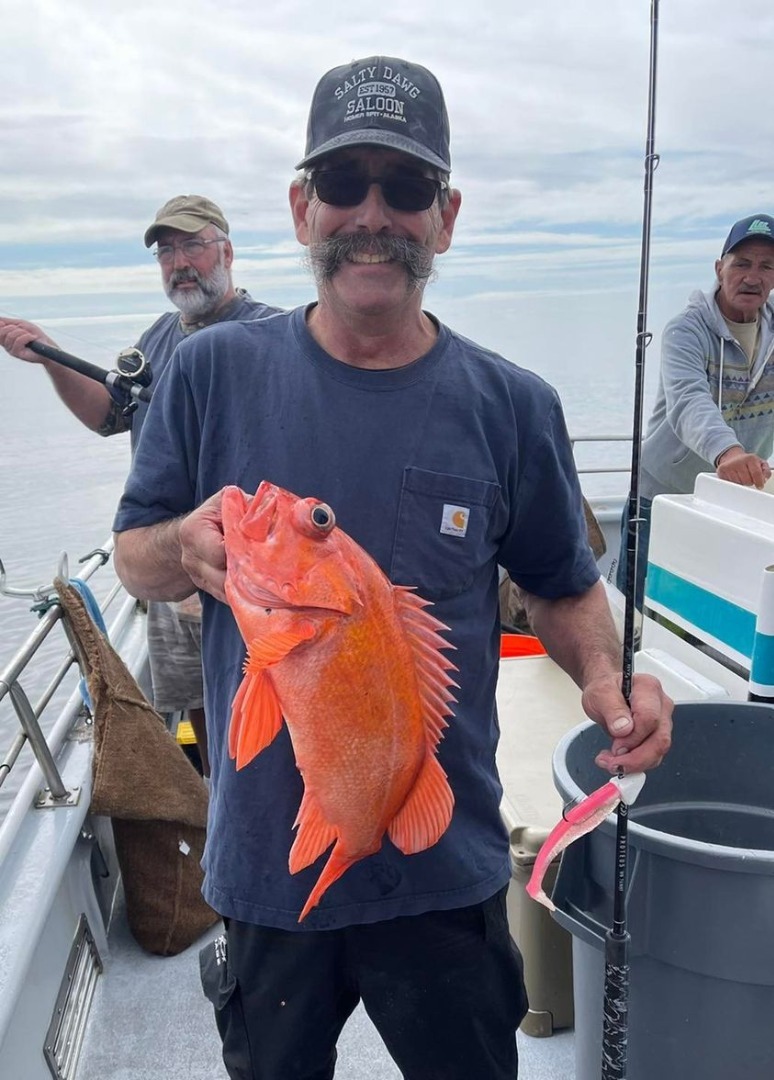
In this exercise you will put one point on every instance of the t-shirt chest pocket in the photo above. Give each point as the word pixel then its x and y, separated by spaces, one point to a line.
pixel 442 535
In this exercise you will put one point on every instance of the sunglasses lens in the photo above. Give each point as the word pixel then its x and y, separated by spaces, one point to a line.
pixel 410 193
pixel 340 187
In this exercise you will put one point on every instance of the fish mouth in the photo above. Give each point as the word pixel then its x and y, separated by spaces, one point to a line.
pixel 263 595
pixel 275 597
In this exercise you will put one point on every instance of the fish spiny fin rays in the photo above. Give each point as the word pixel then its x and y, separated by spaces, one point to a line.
pixel 315 835
pixel 336 865
pixel 426 813
pixel 432 667
pixel 256 715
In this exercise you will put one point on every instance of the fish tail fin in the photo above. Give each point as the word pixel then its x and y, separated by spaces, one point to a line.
pixel 336 865
pixel 426 812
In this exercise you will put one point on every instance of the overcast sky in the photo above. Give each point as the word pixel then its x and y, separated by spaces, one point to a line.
pixel 107 109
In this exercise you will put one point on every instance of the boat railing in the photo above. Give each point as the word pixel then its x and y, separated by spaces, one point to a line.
pixel 27 714
pixel 601 441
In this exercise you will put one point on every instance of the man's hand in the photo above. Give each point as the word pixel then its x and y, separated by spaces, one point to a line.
pixel 203 553
pixel 736 465
pixel 642 735
pixel 15 336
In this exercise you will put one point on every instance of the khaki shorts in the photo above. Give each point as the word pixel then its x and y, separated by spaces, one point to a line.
pixel 175 651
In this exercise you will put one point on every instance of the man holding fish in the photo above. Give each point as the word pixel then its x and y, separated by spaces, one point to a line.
pixel 341 483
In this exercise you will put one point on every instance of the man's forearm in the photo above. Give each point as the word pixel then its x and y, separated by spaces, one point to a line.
pixel 148 562
pixel 578 633
pixel 86 399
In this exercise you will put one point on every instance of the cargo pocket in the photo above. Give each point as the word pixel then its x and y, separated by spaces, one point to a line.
pixel 509 964
pixel 222 990
pixel 442 535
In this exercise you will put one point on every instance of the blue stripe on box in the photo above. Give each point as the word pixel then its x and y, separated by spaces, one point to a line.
pixel 723 620
pixel 762 668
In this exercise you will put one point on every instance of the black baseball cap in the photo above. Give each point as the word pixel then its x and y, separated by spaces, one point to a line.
pixel 379 101
pixel 756 227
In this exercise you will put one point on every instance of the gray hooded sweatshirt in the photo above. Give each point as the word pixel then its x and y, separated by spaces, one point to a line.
pixel 709 397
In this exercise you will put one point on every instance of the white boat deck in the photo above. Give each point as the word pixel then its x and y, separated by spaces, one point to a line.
pixel 151 1021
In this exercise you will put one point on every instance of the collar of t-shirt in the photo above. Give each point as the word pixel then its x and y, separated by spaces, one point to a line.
pixel 748 335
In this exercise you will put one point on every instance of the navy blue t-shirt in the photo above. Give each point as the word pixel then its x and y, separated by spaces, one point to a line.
pixel 391 451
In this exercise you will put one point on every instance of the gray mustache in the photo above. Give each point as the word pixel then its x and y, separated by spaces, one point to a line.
pixel 179 276
pixel 329 254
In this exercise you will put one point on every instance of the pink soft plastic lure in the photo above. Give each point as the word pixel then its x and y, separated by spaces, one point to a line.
pixel 584 817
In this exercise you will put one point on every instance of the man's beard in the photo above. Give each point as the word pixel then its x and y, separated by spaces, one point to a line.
pixel 203 300
pixel 325 257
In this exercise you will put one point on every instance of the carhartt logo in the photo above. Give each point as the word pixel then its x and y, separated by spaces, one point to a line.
pixel 454 521
pixel 759 226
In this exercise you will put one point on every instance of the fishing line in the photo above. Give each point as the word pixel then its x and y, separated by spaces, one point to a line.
pixel 63 333
pixel 127 382
pixel 615 1028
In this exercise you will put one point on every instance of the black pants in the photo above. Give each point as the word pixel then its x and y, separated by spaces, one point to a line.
pixel 444 990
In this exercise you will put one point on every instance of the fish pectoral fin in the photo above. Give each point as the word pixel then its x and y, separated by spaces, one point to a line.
pixel 426 813
pixel 274 645
pixel 256 718
pixel 315 835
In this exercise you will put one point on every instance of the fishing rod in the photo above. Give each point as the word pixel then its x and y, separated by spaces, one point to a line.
pixel 128 382
pixel 615 1027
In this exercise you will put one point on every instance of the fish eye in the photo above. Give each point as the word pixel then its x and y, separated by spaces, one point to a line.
pixel 322 517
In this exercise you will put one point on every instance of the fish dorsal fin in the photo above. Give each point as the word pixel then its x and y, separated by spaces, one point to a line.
pixel 427 811
pixel 256 717
pixel 432 667
pixel 315 835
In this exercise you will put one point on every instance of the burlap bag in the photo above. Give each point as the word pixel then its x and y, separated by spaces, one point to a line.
pixel 155 797
pixel 512 613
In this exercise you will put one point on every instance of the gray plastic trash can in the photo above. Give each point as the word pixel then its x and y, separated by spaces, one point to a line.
pixel 700 902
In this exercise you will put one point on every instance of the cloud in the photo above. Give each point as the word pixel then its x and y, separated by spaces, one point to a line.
pixel 112 108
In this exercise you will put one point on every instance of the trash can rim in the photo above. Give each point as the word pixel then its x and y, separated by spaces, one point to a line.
pixel 744 860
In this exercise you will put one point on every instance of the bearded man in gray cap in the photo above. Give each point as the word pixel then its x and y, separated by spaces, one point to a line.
pixel 442 460
pixel 195 256
pixel 715 399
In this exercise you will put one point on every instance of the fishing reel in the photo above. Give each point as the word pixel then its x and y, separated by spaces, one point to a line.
pixel 132 370
pixel 132 364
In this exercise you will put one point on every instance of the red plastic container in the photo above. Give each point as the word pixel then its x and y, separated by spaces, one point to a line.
pixel 520 645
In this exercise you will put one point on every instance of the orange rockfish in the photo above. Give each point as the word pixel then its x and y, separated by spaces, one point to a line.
pixel 353 664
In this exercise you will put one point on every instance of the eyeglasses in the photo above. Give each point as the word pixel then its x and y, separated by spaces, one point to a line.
pixel 192 249
pixel 344 187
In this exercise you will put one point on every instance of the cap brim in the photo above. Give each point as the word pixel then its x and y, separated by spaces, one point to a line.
pixel 744 239
pixel 190 223
pixel 376 138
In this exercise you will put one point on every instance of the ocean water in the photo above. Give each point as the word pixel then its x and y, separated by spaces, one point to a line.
pixel 60 483
pixel 59 486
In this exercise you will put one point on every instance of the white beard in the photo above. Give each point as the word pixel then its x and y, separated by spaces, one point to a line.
pixel 205 298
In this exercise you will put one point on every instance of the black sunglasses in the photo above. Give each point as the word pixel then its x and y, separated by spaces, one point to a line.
pixel 344 187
